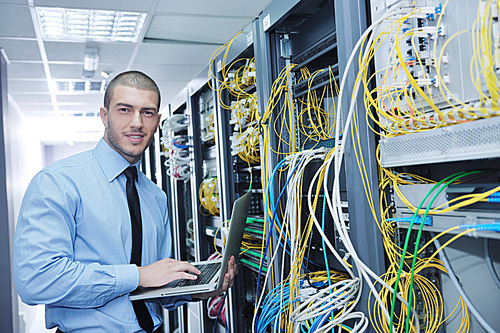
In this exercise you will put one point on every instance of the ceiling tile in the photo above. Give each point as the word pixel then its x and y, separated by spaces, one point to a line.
pixel 26 98
pixel 174 54
pixel 170 88
pixel 74 72
pixel 25 71
pixel 169 72
pixel 18 2
pixel 195 28
pixel 115 52
pixel 79 108
pixel 31 110
pixel 81 98
pixel 16 86
pixel 123 5
pixel 241 8
pixel 66 71
pixel 64 51
pixel 10 16
pixel 71 51
pixel 21 49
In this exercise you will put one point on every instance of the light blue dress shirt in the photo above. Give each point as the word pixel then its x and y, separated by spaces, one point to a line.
pixel 73 243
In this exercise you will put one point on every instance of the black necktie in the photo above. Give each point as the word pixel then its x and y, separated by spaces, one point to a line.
pixel 134 207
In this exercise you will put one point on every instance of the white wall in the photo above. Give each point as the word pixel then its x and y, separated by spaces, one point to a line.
pixel 30 145
pixel 24 158
pixel 60 151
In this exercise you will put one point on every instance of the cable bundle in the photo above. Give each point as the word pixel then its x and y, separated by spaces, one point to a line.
pixel 316 121
pixel 177 157
pixel 405 102
pixel 246 145
pixel 404 276
pixel 245 140
pixel 236 81
pixel 244 111
pixel 318 308
pixel 175 123
pixel 209 195
pixel 216 305
pixel 207 128
pixel 176 147
pixel 298 307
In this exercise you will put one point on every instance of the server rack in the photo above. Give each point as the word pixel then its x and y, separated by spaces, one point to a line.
pixel 437 42
pixel 193 225
pixel 179 198
pixel 237 121
pixel 320 35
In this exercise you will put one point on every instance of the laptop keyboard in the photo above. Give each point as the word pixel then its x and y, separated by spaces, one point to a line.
pixel 207 273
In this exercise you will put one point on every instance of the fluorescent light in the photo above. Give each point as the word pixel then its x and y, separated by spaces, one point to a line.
pixel 83 24
pixel 87 86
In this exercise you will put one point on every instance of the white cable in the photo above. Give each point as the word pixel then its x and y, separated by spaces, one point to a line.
pixel 304 158
pixel 175 123
pixel 338 218
pixel 310 312
pixel 327 241
pixel 361 326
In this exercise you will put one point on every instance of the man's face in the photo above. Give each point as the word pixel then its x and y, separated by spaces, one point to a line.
pixel 131 121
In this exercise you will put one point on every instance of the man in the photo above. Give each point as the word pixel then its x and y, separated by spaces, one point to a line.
pixel 74 238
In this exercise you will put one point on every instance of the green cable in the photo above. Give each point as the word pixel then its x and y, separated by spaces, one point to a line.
pixel 253 219
pixel 255 231
pixel 407 240
pixel 252 264
pixel 417 242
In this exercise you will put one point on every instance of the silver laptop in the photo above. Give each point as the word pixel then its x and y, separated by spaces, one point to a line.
pixel 212 271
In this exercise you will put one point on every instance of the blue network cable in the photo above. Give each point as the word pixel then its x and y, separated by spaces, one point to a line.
pixel 270 186
pixel 483 227
pixel 218 314
pixel 272 222
pixel 276 303
pixel 270 307
pixel 327 266
pixel 179 145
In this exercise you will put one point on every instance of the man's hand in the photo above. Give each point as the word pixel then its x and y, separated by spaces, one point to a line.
pixel 232 270
pixel 165 271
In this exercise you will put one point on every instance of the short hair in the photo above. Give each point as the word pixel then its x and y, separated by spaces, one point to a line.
pixel 133 79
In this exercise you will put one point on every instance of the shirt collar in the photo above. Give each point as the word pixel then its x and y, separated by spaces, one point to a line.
pixel 110 161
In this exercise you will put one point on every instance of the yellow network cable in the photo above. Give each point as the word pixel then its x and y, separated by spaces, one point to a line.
pixel 432 301
pixel 315 122
pixel 397 99
pixel 224 48
pixel 485 60
pixel 209 195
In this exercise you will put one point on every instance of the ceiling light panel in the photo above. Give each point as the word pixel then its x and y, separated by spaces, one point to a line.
pixel 80 86
pixel 86 24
